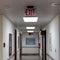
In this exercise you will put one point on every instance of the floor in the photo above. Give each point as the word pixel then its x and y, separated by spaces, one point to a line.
pixel 26 57
pixel 30 58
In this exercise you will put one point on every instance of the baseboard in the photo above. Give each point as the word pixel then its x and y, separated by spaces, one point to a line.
pixel 11 57
pixel 50 57
pixel 30 54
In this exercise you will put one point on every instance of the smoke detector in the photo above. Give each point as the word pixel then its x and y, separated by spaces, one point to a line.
pixel 55 4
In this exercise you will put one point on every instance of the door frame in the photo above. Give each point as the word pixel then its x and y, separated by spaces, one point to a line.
pixel 20 46
pixel 15 44
pixel 43 32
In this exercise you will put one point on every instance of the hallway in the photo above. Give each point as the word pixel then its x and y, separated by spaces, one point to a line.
pixel 27 58
pixel 29 29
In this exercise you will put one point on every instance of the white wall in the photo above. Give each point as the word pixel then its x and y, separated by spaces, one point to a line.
pixel 40 40
pixel 18 35
pixel 53 38
pixel 29 50
pixel 59 36
pixel 8 27
pixel 1 58
pixel 18 42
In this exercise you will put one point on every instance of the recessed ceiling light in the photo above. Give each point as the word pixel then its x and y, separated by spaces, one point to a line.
pixel 30 19
pixel 30 31
pixel 55 4
pixel 30 27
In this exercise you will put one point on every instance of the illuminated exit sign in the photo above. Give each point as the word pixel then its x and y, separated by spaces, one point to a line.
pixel 30 11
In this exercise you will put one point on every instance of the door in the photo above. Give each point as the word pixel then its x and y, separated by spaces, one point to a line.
pixel 43 33
pixel 15 45
pixel 20 46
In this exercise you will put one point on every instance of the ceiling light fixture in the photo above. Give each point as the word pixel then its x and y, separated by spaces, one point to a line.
pixel 30 19
pixel 30 31
pixel 30 27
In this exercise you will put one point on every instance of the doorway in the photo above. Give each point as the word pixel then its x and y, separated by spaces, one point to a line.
pixel 20 46
pixel 43 33
pixel 29 48
pixel 15 44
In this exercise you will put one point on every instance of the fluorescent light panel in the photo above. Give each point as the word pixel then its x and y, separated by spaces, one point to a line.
pixel 30 19
pixel 30 31
pixel 30 27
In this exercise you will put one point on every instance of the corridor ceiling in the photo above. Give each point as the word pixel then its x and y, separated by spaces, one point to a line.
pixel 14 10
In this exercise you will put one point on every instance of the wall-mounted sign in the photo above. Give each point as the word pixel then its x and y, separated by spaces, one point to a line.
pixel 29 12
